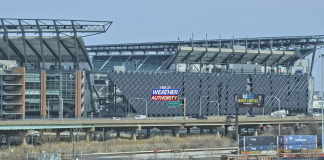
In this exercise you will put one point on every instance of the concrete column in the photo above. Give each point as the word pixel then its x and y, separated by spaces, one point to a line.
pixel 217 132
pixel 201 131
pixel 8 140
pixel 43 94
pixel 78 81
pixel 188 130
pixel 71 135
pixel 104 134
pixel 255 132
pixel 58 136
pixel 148 133
pixel 226 130
pixel 118 134
pixel 211 131
pixel 87 136
pixel 94 136
pixel 175 133
pixel 24 141
pixel 133 136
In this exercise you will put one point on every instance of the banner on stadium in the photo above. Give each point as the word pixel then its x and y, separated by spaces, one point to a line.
pixel 164 94
pixel 249 100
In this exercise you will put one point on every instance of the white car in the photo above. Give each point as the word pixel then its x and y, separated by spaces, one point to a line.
pixel 140 117
pixel 178 118
pixel 115 118
pixel 316 114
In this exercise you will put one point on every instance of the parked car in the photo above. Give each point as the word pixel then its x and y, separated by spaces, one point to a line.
pixel 115 118
pixel 251 116
pixel 140 117
pixel 178 118
pixel 316 114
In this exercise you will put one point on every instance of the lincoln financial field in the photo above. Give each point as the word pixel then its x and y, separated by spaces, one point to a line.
pixel 50 71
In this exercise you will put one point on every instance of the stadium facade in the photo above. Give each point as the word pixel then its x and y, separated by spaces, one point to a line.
pixel 60 76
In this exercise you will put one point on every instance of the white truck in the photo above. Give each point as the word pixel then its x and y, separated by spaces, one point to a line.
pixel 280 113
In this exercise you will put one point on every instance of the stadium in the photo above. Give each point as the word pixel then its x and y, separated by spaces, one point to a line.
pixel 47 70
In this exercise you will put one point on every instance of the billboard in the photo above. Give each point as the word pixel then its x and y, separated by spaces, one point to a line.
pixel 249 100
pixel 164 94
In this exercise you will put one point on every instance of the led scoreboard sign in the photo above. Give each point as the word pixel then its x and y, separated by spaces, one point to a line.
pixel 164 94
pixel 249 100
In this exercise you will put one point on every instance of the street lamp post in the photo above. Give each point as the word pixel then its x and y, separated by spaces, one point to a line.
pixel 217 106
pixel 322 56
pixel 200 104
pixel 145 103
pixel 27 147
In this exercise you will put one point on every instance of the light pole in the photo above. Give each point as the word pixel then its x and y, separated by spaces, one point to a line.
pixel 322 56
pixel 276 99
pixel 217 105
pixel 200 104
pixel 27 147
pixel 145 102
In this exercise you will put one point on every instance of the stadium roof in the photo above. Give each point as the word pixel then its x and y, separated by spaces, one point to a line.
pixel 37 42
pixel 224 55
pixel 50 49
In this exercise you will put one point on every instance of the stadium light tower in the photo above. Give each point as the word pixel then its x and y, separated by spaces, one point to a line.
pixel 322 56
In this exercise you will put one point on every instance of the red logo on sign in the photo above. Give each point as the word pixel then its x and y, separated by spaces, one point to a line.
pixel 164 98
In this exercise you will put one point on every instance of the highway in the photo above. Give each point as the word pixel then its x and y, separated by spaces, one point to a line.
pixel 213 121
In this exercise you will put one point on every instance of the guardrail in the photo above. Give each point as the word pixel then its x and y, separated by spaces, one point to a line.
pixel 260 120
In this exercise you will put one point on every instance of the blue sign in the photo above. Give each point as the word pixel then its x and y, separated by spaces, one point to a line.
pixel 165 92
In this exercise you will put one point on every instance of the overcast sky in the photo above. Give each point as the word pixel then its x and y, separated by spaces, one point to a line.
pixel 166 20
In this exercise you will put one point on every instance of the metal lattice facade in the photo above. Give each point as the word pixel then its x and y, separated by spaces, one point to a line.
pixel 293 91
